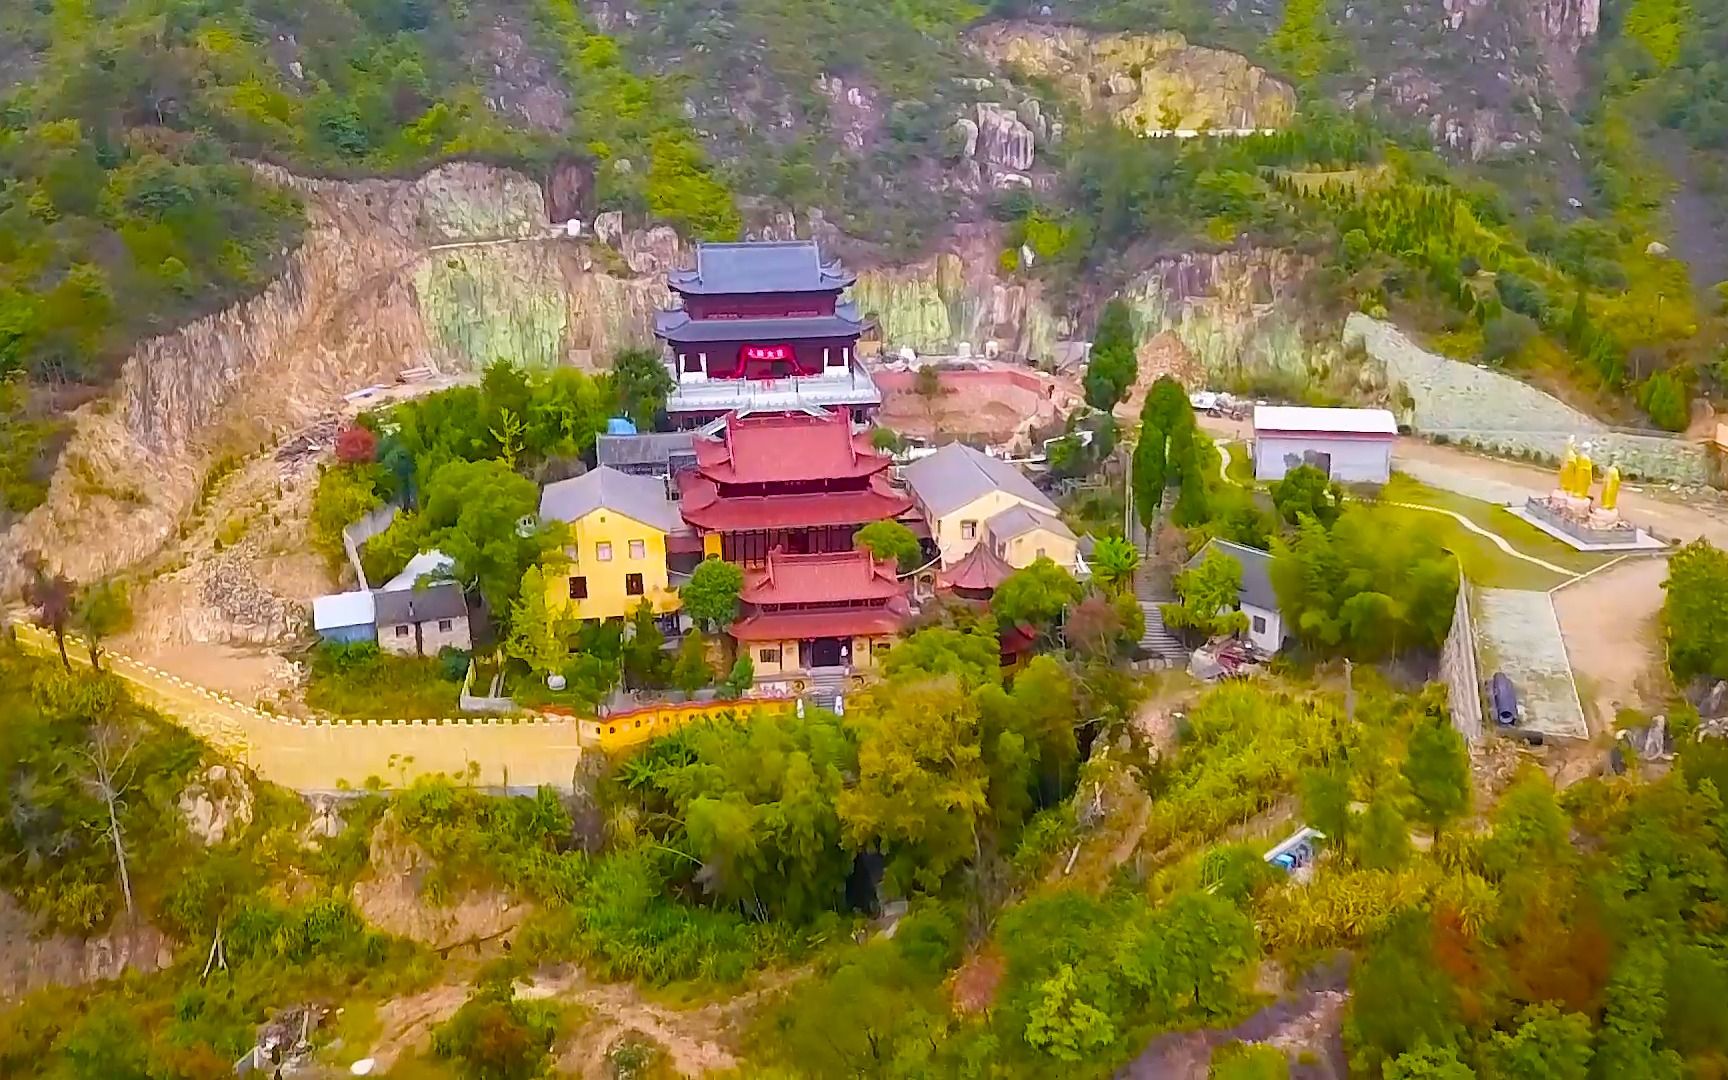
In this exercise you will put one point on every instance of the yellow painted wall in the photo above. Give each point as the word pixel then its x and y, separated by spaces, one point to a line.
pixel 621 730
pixel 947 529
pixel 787 663
pixel 863 656
pixel 1022 550
pixel 607 598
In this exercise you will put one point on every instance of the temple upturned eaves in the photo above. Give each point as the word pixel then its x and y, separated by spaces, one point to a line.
pixel 761 328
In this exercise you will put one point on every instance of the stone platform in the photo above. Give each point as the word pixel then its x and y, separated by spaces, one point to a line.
pixel 1602 541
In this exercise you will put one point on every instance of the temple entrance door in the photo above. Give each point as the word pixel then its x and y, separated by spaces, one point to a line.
pixel 798 543
pixel 827 652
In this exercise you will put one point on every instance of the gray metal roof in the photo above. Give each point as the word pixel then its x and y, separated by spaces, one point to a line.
pixel 640 498
pixel 648 448
pixel 957 474
pixel 760 267
pixel 677 325
pixel 1020 520
pixel 420 605
pixel 1256 572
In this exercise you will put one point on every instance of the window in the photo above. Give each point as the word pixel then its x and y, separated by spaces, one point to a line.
pixel 445 625
pixel 638 549
pixel 578 588
pixel 968 530
pixel 603 551
pixel 768 656
pixel 401 631
pixel 1259 624
pixel 1040 553
pixel 633 584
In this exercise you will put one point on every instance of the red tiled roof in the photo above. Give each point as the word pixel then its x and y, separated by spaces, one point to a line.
pixel 828 577
pixel 840 622
pixel 787 447
pixel 980 569
pixel 703 506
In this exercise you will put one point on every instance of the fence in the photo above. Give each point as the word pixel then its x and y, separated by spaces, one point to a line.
pixel 362 529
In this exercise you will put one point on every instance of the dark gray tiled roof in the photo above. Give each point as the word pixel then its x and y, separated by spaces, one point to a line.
pixel 1022 519
pixel 648 448
pixel 1256 571
pixel 679 326
pixel 760 267
pixel 420 605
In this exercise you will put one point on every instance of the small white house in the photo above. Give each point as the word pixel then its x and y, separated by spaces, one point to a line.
pixel 1255 597
pixel 1353 446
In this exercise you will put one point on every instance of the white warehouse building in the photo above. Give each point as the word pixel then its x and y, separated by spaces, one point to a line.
pixel 1352 446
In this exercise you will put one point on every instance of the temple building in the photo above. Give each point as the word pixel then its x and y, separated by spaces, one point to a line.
pixel 798 482
pixel 761 327
pixel 803 613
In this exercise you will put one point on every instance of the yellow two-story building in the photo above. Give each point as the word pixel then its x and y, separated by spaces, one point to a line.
pixel 617 549
pixel 969 498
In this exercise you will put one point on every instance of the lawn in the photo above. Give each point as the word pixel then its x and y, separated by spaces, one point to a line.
pixel 1241 468
pixel 360 682
pixel 1484 563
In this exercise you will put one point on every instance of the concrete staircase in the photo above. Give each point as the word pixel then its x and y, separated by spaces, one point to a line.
pixel 1151 593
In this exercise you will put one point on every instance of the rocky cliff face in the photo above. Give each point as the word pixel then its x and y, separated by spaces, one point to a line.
pixel 460 267
pixel 1146 82
pixel 450 271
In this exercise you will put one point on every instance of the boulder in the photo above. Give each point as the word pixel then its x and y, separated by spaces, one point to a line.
pixel 218 806
pixel 1002 139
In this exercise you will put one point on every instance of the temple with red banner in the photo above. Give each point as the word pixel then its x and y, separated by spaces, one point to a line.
pixel 804 613
pixel 799 483
pixel 761 327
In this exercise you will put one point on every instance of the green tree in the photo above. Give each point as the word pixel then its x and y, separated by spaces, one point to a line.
pixel 496 1035
pixel 536 634
pixel 102 609
pixel 1307 490
pixel 1209 597
pixel 1112 364
pixel 1547 1045
pixel 1149 474
pixel 893 542
pixel 692 671
pixel 1630 1042
pixel 1400 998
pixel 711 595
pixel 972 657
pixel 922 781
pixel 482 515
pixel 1694 618
pixel 1036 595
pixel 642 383
pixel 758 805
pixel 1063 1024
pixel 645 663
pixel 1437 768
pixel 1114 562
pixel 740 678
pixel 1425 1061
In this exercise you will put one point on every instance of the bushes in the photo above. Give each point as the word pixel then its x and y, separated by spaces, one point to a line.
pixel 498 1036
pixel 360 680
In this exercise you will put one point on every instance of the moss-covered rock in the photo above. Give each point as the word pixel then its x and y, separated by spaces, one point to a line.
pixel 1145 82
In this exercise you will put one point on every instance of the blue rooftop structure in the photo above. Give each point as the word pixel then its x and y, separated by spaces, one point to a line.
pixel 620 425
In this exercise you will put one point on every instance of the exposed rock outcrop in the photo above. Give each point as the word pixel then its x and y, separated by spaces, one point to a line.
pixel 1146 82
pixel 29 961
pixel 391 897
pixel 217 806
pixel 1002 139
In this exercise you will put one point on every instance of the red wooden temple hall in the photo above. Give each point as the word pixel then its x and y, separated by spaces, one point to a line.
pixel 800 483
pixel 761 327
pixel 827 610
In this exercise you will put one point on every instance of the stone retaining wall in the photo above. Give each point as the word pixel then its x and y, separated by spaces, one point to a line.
pixel 1490 411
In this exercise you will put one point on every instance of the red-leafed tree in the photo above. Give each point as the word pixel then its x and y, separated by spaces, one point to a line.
pixel 356 445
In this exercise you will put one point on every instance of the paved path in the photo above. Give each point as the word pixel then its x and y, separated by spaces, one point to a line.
pixel 310 756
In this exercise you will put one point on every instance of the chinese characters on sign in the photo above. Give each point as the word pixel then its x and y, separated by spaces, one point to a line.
pixel 767 352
